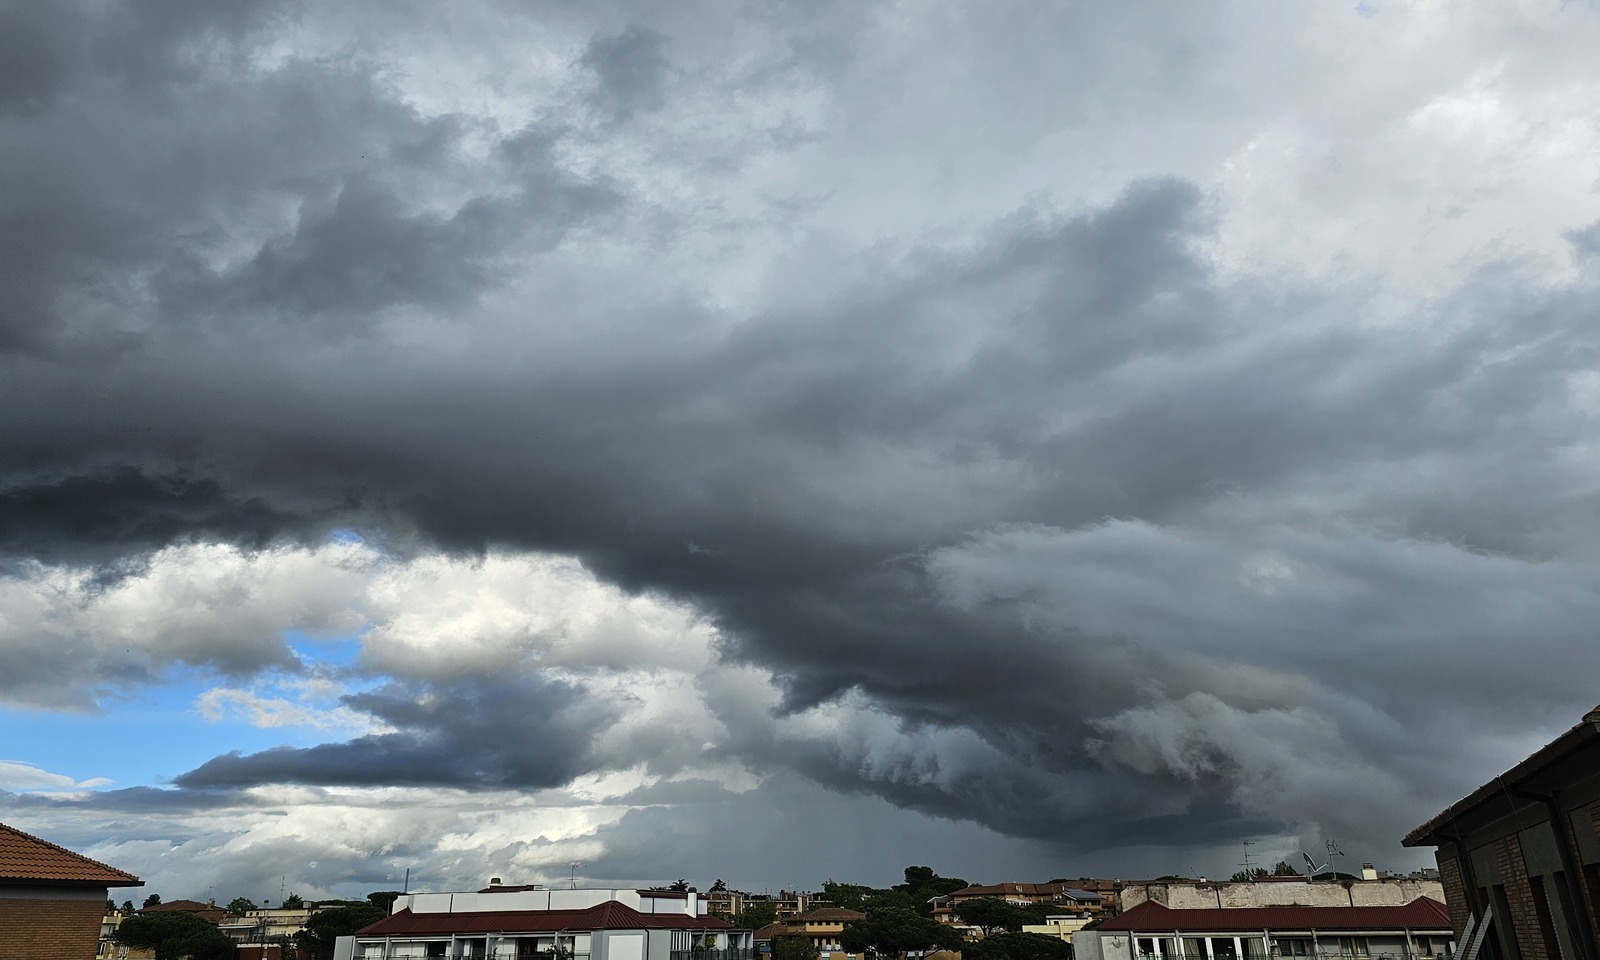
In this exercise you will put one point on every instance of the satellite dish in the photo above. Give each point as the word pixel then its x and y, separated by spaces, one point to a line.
pixel 1311 865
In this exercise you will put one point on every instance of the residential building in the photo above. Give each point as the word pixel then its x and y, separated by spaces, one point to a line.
pixel 1280 892
pixel 52 901
pixel 822 926
pixel 792 903
pixel 1076 897
pixel 266 926
pixel 208 911
pixel 1150 931
pixel 1520 855
pixel 523 923
pixel 1060 926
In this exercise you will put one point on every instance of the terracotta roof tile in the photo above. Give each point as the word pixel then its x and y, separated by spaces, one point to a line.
pixel 1420 914
pixel 24 857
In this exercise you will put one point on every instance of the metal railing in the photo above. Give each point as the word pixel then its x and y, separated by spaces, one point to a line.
pixel 729 953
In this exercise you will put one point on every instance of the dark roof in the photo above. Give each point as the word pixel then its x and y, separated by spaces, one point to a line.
pixel 1077 893
pixel 518 888
pixel 1585 735
pixel 1013 890
pixel 828 915
pixel 1422 913
pixel 772 931
pixel 24 857
pixel 610 915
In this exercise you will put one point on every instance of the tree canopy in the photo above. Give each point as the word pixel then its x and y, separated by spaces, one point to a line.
pixel 326 926
pixel 1018 946
pixel 850 896
pixel 895 930
pixel 174 935
pixel 794 948
pixel 239 906
pixel 989 914
pixel 384 899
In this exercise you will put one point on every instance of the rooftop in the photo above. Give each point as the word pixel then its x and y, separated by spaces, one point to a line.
pixel 610 915
pixel 1423 913
pixel 25 857
pixel 1585 735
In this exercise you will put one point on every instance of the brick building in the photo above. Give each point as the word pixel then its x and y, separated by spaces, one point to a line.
pixel 1520 856
pixel 52 901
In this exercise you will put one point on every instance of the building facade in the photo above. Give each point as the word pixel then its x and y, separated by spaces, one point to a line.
pixel 1419 930
pixel 1280 892
pixel 520 923
pixel 52 901
pixel 1520 856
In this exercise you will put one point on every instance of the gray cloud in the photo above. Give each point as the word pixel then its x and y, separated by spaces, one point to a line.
pixel 476 735
pixel 1054 516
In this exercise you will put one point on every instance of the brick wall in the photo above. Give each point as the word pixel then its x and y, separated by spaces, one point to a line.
pixel 1455 891
pixel 50 929
pixel 1519 894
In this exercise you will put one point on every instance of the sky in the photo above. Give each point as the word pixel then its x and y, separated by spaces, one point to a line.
pixel 615 442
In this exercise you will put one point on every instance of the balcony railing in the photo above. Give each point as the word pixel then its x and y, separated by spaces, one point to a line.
pixel 730 953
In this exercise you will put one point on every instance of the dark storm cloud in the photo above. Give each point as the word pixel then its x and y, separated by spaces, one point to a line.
pixel 631 67
pixel 472 734
pixel 261 303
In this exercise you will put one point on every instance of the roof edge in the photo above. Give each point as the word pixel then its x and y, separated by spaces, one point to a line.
pixel 1582 734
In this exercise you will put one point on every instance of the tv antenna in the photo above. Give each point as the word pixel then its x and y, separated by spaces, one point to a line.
pixel 1247 874
pixel 572 875
pixel 1333 850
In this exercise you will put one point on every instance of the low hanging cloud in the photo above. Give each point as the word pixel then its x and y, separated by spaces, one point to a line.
pixel 1116 448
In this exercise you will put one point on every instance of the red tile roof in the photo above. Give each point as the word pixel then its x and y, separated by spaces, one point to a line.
pixel 1423 913
pixel 610 915
pixel 24 857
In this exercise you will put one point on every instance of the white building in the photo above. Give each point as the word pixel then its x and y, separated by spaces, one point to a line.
pixel 532 923
pixel 1150 931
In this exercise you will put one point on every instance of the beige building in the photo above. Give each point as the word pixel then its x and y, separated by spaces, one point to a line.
pixel 265 926
pixel 1279 892
pixel 1060 926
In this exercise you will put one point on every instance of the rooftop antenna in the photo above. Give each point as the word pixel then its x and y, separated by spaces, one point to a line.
pixel 1247 874
pixel 407 887
pixel 1333 850
pixel 572 875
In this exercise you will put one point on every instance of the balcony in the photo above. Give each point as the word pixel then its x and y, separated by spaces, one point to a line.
pixel 731 953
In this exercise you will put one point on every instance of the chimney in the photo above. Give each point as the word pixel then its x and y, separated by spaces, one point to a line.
pixel 494 881
pixel 1367 872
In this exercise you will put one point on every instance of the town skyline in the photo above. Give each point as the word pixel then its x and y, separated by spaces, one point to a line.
pixel 778 440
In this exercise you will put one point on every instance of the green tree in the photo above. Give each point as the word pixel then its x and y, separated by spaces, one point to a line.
pixel 850 896
pixel 293 902
pixel 886 899
pixel 756 914
pixel 239 906
pixel 991 913
pixel 384 899
pixel 174 935
pixel 1018 946
pixel 326 926
pixel 153 900
pixel 1282 869
pixel 894 931
pixel 794 948
pixel 922 885
pixel 127 906
pixel 1241 876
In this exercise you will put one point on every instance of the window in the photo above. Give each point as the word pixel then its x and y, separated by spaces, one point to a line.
pixel 1286 947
